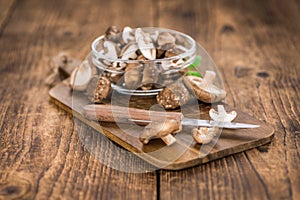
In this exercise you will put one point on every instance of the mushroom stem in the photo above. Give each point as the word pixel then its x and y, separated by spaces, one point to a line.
pixel 161 130
pixel 169 139
pixel 209 77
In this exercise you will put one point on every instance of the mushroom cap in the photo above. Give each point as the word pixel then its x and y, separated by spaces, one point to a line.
pixel 204 135
pixel 81 76
pixel 208 93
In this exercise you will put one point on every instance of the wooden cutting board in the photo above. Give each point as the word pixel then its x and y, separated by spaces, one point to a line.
pixel 182 154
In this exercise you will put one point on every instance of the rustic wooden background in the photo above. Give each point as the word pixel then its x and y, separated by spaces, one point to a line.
pixel 255 44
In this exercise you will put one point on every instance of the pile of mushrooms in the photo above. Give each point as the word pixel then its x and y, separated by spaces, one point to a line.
pixel 135 47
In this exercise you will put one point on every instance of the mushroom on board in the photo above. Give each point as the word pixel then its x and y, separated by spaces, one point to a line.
pixel 81 76
pixel 204 135
pixel 174 95
pixel 163 130
pixel 221 115
pixel 204 89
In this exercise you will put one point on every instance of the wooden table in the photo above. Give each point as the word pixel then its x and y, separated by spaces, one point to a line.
pixel 255 44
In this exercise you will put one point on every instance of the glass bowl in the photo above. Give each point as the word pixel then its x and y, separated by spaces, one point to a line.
pixel 166 70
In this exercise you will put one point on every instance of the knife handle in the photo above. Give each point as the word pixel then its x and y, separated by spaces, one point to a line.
pixel 109 113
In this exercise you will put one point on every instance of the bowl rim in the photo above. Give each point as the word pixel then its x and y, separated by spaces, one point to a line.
pixel 189 52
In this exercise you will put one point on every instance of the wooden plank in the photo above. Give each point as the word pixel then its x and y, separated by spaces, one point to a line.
pixel 260 70
pixel 42 155
pixel 6 9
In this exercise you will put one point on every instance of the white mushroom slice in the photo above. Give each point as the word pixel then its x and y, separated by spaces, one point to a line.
pixel 204 88
pixel 127 34
pixel 221 115
pixel 165 38
pixel 161 130
pixel 129 51
pixel 204 135
pixel 145 44
pixel 81 76
pixel 111 50
pixel 154 36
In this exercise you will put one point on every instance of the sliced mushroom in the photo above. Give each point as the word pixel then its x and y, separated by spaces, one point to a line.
pixel 133 75
pixel 102 89
pixel 161 130
pixel 164 39
pixel 111 50
pixel 204 135
pixel 150 76
pixel 221 115
pixel 204 88
pixel 81 76
pixel 145 44
pixel 129 51
pixel 173 95
pixel 171 64
pixel 113 77
pixel 128 34
pixel 90 90
pixel 117 66
pixel 154 36
pixel 112 34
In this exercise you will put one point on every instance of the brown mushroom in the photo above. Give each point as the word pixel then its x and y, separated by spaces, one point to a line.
pixel 173 95
pixel 204 135
pixel 161 130
pixel 166 40
pixel 61 67
pixel 150 76
pixel 112 34
pixel 102 89
pixel 98 89
pixel 133 75
pixel 204 89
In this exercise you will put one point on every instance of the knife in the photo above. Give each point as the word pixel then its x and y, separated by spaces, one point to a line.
pixel 109 113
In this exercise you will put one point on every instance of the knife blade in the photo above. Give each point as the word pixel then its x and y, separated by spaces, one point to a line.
pixel 109 113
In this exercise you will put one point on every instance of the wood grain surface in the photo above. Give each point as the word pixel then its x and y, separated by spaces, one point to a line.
pixel 255 44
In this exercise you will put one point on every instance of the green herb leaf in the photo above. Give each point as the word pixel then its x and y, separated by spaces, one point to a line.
pixel 193 73
pixel 196 62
